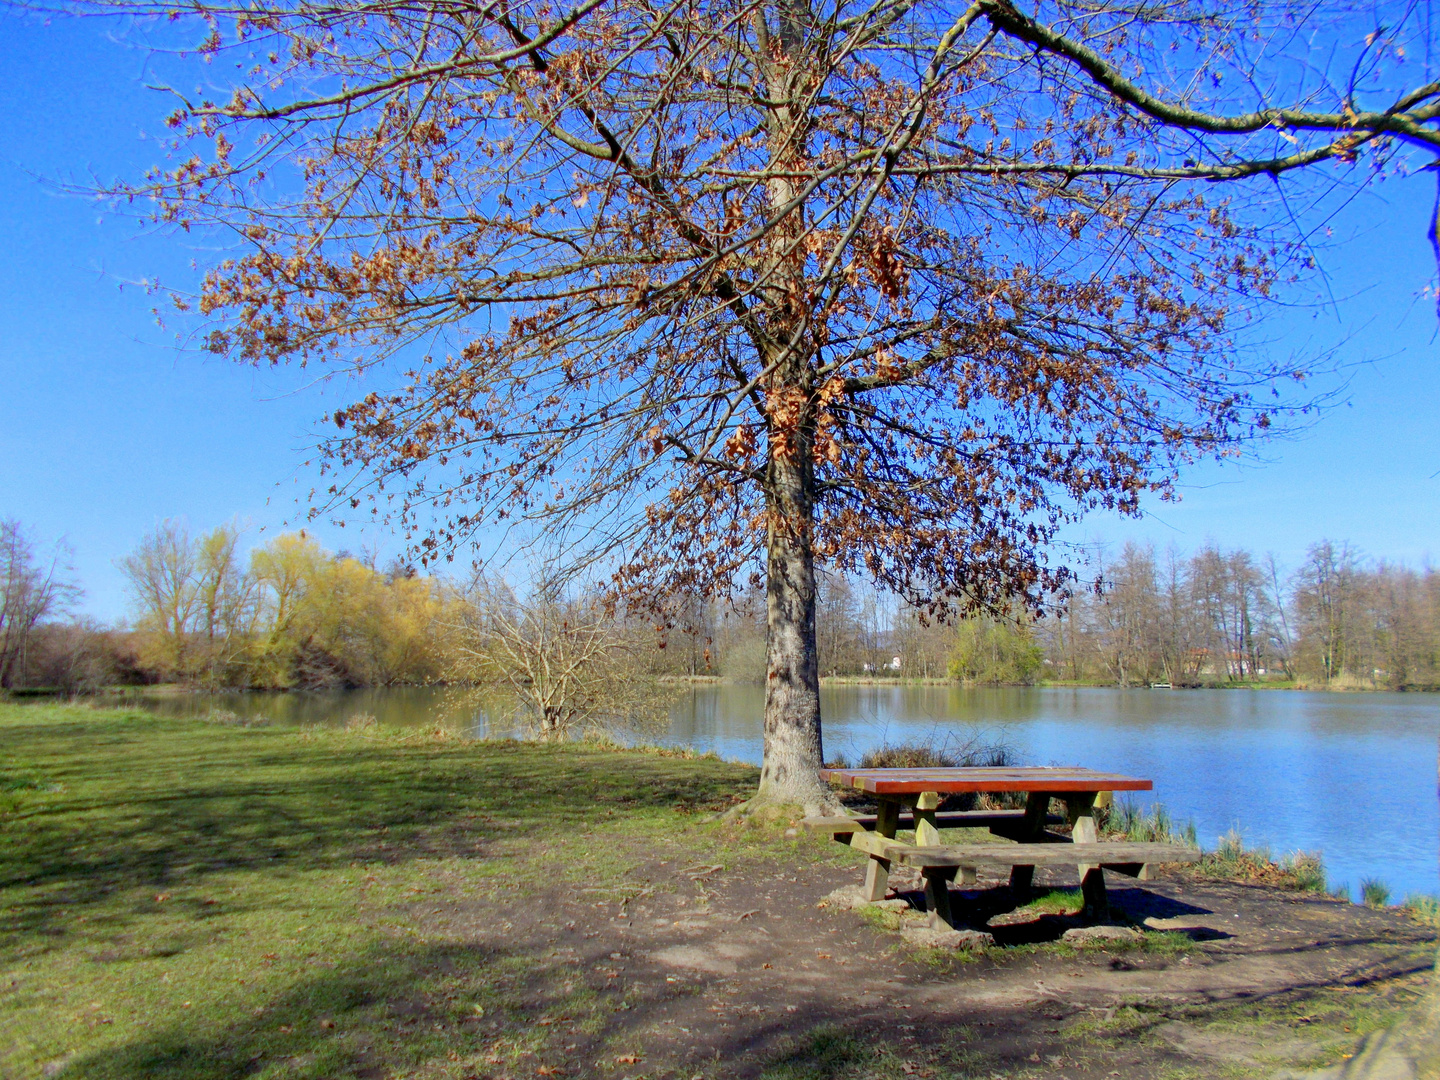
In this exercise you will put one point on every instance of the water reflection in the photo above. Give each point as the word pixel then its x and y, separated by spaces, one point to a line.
pixel 1353 776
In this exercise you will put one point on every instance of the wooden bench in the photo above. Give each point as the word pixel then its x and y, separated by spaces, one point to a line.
pixel 914 797
pixel 940 864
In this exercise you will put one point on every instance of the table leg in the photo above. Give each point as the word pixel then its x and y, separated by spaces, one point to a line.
pixel 1037 806
pixel 877 870
pixel 937 878
pixel 1080 808
pixel 937 895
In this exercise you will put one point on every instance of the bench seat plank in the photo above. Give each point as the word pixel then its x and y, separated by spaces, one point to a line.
pixel 947 819
pixel 1117 854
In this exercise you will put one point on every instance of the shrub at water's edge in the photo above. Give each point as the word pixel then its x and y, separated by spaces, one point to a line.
pixel 1303 871
pixel 1423 909
pixel 1230 861
pixel 1128 821
pixel 1374 893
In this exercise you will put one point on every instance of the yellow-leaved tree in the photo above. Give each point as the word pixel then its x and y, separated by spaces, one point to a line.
pixel 297 616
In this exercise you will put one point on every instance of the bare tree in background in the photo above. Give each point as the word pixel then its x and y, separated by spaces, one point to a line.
pixel 1128 620
pixel 1326 599
pixel 740 285
pixel 567 658
pixel 31 591
pixel 1285 641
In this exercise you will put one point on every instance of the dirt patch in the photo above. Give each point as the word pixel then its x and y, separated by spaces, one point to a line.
pixel 741 973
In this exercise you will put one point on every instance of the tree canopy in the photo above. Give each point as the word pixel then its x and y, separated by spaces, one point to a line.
pixel 735 286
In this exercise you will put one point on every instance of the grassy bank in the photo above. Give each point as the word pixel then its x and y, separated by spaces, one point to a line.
pixel 193 900
pixel 182 899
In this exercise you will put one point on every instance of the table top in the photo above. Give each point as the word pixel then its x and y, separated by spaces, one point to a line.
pixel 983 778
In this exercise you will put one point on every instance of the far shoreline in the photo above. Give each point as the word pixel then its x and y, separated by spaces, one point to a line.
pixel 182 690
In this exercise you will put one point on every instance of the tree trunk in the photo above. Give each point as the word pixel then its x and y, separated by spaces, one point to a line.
pixel 793 750
pixel 789 776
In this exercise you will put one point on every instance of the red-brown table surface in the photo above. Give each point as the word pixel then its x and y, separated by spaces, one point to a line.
pixel 983 778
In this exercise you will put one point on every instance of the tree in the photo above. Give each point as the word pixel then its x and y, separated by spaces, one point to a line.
pixel 226 603
pixel 1325 591
pixel 1234 618
pixel 1284 641
pixel 995 650
pixel 196 604
pixel 837 627
pixel 295 616
pixel 160 573
pixel 31 591
pixel 691 649
pixel 1180 656
pixel 923 644
pixel 1129 616
pixel 566 658
pixel 742 285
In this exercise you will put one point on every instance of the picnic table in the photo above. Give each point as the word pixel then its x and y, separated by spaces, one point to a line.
pixel 912 797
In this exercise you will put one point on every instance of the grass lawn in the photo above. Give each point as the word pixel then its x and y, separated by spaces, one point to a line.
pixel 197 900
pixel 189 899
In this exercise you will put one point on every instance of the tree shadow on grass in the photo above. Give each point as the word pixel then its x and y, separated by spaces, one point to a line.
pixel 159 802
pixel 383 1011
pixel 462 1011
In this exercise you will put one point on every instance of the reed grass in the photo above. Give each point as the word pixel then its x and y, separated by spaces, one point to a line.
pixel 1303 871
pixel 1423 908
pixel 1374 893
pixel 1147 826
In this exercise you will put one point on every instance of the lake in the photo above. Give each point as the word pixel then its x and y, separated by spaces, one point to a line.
pixel 1352 776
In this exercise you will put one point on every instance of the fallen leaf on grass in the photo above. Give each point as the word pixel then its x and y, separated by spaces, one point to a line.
pixel 628 1059
pixel 548 1070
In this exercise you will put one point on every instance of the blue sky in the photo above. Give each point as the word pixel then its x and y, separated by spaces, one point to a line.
pixel 107 427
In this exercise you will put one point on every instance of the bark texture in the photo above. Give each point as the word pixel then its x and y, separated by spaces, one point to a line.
pixel 793 748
